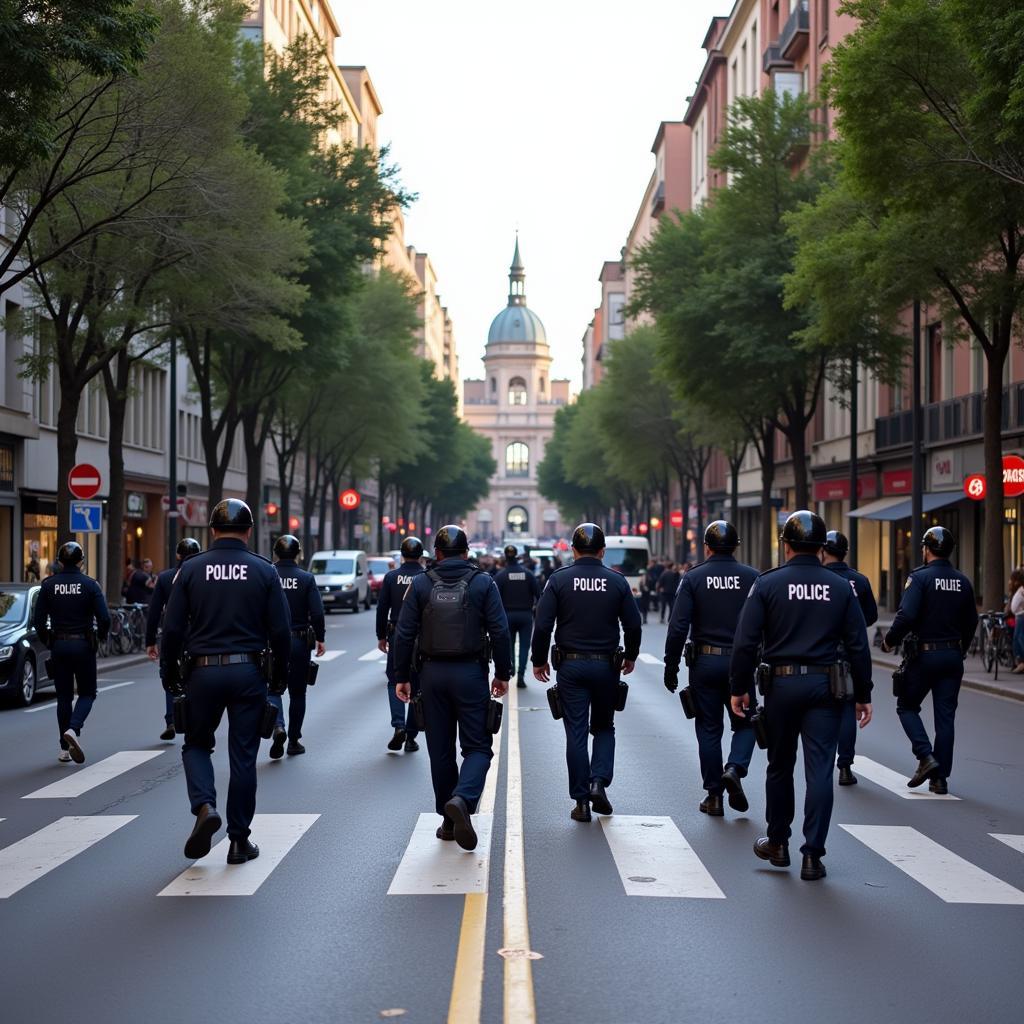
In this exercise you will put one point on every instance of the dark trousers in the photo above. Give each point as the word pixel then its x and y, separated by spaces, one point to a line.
pixel 168 699
pixel 241 690
pixel 455 697
pixel 298 666
pixel 520 626
pixel 667 600
pixel 847 735
pixel 587 693
pixel 938 673
pixel 801 708
pixel 73 662
pixel 402 716
pixel 645 603
pixel 709 680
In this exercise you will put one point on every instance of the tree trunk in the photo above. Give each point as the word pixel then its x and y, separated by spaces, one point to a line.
pixel 252 437
pixel 67 453
pixel 734 487
pixel 797 437
pixel 321 534
pixel 993 569
pixel 766 558
pixel 116 386
pixel 336 514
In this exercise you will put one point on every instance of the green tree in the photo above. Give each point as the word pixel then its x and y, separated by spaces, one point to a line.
pixel 574 501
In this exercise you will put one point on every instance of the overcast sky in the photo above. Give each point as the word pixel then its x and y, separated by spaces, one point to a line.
pixel 537 115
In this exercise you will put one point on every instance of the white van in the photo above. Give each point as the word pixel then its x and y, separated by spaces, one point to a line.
pixel 342 579
pixel 628 555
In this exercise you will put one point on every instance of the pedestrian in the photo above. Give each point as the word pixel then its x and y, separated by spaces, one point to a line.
pixel 68 605
pixel 308 633
pixel 389 604
pixel 668 584
pixel 654 571
pixel 32 570
pixel 187 547
pixel 230 603
pixel 938 608
pixel 451 612
pixel 706 610
pixel 1015 606
pixel 136 589
pixel 519 591
pixel 797 615
pixel 585 604
pixel 833 557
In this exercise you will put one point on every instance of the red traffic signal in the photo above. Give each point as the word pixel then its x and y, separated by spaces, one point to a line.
pixel 676 519
pixel 349 499
pixel 294 523
pixel 271 509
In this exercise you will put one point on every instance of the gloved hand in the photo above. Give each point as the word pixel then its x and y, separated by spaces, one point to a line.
pixel 671 679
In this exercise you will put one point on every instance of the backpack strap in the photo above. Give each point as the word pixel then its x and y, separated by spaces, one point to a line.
pixel 434 576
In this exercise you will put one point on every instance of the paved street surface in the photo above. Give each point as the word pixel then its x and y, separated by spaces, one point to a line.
pixel 355 913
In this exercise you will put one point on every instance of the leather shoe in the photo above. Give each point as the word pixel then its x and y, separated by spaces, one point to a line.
pixel 295 748
pixel 775 853
pixel 445 831
pixel 846 776
pixel 168 733
pixel 207 824
pixel 242 850
pixel 396 741
pixel 938 786
pixel 581 812
pixel 734 787
pixel 812 869
pixel 712 804
pixel 521 683
pixel 411 746
pixel 926 767
pixel 598 798
pixel 457 811
pixel 277 746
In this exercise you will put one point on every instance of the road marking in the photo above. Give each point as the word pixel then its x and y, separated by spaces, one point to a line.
pixel 650 659
pixel 654 859
pixel 275 834
pixel 466 1001
pixel 30 858
pixel 431 866
pixel 1014 842
pixel 329 655
pixel 374 655
pixel 949 876
pixel 894 782
pixel 101 689
pixel 95 775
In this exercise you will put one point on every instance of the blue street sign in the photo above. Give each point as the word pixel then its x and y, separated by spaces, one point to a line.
pixel 86 516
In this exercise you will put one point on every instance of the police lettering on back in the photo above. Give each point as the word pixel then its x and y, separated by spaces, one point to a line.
pixel 590 585
pixel 219 571
pixel 65 589
pixel 810 592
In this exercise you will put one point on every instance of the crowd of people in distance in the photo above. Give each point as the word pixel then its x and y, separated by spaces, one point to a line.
pixel 659 584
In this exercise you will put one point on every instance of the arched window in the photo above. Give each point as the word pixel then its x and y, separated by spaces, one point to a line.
pixel 518 519
pixel 517 459
pixel 517 391
pixel 494 385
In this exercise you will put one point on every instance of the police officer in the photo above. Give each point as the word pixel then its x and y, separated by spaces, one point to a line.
pixel 389 603
pixel 585 603
pixel 453 609
pixel 519 591
pixel 68 603
pixel 707 608
pixel 187 547
pixel 938 606
pixel 229 602
pixel 308 630
pixel 833 556
pixel 798 614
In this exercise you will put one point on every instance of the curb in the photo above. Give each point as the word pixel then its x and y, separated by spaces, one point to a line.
pixel 992 689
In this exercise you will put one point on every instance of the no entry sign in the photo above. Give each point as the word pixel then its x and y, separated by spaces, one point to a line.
pixel 676 519
pixel 84 481
pixel 349 499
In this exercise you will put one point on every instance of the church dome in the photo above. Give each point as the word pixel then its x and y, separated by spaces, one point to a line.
pixel 517 322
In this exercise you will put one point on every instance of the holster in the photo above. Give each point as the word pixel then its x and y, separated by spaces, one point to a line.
pixel 621 693
pixel 268 721
pixel 760 727
pixel 556 663
pixel 763 677
pixel 185 667
pixel 48 665
pixel 554 703
pixel 266 665
pixel 911 647
pixel 94 641
pixel 686 699
pixel 311 673
pixel 689 657
pixel 418 714
pixel 389 630
pixel 839 681
pixel 310 639
pixel 180 711
pixel 494 712
pixel 618 660
pixel 899 679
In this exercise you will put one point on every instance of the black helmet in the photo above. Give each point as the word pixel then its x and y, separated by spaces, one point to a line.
pixel 70 553
pixel 451 540
pixel 836 544
pixel 721 536
pixel 231 514
pixel 939 541
pixel 412 547
pixel 805 531
pixel 287 546
pixel 511 551
pixel 187 547
pixel 588 538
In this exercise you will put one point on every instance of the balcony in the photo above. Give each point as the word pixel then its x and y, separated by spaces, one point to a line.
pixel 774 61
pixel 658 199
pixel 956 419
pixel 794 34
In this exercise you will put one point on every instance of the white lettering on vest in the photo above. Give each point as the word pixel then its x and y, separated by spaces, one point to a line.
pixel 517 575
pixel 589 585
pixel 67 588
pixel 227 572
pixel 944 584
pixel 853 587
pixel 809 592
pixel 290 582
pixel 404 581
pixel 723 583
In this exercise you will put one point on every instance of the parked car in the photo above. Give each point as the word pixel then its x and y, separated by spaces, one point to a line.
pixel 378 567
pixel 22 654
pixel 343 579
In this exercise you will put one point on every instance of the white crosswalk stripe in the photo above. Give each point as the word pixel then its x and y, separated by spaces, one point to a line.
pixel 650 659
pixel 102 689
pixel 374 655
pixel 431 866
pixel 275 834
pixel 94 775
pixel 654 859
pixel 1014 842
pixel 30 858
pixel 946 874
pixel 893 781
pixel 330 655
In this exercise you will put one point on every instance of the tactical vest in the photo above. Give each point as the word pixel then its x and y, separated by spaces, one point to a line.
pixel 451 626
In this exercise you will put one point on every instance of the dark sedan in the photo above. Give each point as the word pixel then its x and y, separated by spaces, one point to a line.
pixel 22 654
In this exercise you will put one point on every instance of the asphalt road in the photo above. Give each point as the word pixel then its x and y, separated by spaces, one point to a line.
pixel 658 914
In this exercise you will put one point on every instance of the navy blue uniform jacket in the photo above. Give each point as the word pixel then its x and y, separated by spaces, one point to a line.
pixel 392 593
pixel 305 605
pixel 157 603
pixel 518 587
pixel 937 604
pixel 861 586
pixel 71 600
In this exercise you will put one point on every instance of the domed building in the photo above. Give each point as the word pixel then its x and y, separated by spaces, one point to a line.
pixel 515 405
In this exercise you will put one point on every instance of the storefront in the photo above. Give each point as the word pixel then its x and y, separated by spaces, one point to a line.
pixel 8 502
pixel 40 542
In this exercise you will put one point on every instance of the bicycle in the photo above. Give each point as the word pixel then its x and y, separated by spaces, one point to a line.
pixel 996 642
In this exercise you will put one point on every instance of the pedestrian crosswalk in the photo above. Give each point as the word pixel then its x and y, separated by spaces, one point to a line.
pixel 1014 842
pixel 373 655
pixel 94 775
pixel 894 782
pixel 431 867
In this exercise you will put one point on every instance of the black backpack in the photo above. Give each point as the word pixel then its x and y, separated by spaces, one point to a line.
pixel 451 626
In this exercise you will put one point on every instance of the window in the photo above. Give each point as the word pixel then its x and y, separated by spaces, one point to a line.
pixel 542 384
pixel 517 459
pixel 517 391
pixel 518 519
pixel 823 6
pixel 494 385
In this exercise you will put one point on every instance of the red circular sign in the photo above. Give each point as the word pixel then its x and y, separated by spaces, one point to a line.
pixel 349 499
pixel 974 486
pixel 1013 476
pixel 84 481
pixel 676 519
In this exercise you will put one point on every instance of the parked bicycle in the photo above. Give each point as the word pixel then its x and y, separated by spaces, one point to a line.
pixel 995 642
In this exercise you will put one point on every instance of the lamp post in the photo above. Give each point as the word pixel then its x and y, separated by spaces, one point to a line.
pixel 172 457
pixel 854 467
pixel 917 469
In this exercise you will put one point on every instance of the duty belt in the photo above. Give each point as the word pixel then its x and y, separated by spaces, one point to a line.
pixel 941 645
pixel 801 670
pixel 212 660
pixel 708 649
pixel 70 636
pixel 566 656
pixel 300 632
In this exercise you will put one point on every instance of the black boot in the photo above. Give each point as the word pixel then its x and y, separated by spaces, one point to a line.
pixel 445 831
pixel 241 850
pixel 396 741
pixel 775 853
pixel 812 868
pixel 168 733
pixel 277 745
pixel 926 768
pixel 938 786
pixel 846 776
pixel 457 811
pixel 295 748
pixel 734 787
pixel 411 746
pixel 207 823
pixel 598 798
pixel 712 804
pixel 581 812
pixel 521 683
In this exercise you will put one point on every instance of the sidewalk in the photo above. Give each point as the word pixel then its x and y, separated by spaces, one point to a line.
pixel 975 676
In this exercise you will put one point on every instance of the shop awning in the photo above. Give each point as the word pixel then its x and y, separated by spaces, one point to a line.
pixel 889 510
